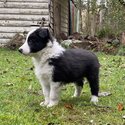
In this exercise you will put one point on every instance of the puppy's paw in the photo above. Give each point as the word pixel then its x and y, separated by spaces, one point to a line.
pixel 44 103
pixel 51 104
pixel 94 100
pixel 74 96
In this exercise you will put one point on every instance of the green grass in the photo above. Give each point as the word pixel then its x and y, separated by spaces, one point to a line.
pixel 19 98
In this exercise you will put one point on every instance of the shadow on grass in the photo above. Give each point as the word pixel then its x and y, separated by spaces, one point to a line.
pixel 77 101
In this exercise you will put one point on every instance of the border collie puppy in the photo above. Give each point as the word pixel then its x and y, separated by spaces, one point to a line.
pixel 55 66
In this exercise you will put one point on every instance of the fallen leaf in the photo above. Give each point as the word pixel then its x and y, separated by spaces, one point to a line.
pixel 9 84
pixel 30 87
pixel 68 106
pixel 120 107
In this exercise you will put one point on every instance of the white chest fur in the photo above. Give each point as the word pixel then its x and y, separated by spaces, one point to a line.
pixel 42 69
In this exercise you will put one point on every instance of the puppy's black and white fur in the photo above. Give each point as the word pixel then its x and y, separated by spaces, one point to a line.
pixel 55 66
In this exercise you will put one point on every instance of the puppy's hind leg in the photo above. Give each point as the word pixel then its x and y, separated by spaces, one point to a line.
pixel 78 88
pixel 93 79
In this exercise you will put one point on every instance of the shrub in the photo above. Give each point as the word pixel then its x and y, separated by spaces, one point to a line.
pixel 105 32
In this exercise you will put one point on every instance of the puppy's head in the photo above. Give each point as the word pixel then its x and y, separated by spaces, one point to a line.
pixel 36 40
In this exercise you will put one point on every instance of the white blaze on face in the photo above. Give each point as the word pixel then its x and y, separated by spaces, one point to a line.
pixel 25 47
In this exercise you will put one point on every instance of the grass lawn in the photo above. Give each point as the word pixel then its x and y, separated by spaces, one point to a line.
pixel 19 98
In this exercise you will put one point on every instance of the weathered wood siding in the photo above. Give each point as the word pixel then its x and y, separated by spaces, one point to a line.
pixel 18 15
pixel 74 17
pixel 59 16
pixel 64 16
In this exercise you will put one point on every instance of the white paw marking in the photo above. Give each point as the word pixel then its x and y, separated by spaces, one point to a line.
pixel 52 104
pixel 94 99
pixel 44 103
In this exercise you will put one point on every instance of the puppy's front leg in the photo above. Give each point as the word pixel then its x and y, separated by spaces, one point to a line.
pixel 46 92
pixel 54 94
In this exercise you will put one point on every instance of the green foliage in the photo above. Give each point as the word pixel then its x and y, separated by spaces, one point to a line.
pixel 103 32
pixel 109 13
pixel 121 50
pixel 19 98
pixel 115 16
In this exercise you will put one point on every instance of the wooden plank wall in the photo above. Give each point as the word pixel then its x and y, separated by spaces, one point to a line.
pixel 60 24
pixel 17 16
pixel 64 16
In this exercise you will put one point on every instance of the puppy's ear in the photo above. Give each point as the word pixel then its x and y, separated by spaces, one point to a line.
pixel 45 33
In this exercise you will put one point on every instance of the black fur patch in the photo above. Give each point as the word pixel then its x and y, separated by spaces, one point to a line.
pixel 38 40
pixel 75 64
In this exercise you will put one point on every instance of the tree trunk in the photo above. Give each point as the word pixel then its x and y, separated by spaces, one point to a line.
pixel 101 14
pixel 93 24
pixel 80 14
pixel 93 17
pixel 88 18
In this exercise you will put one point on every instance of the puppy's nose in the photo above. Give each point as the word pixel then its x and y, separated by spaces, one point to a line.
pixel 20 50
